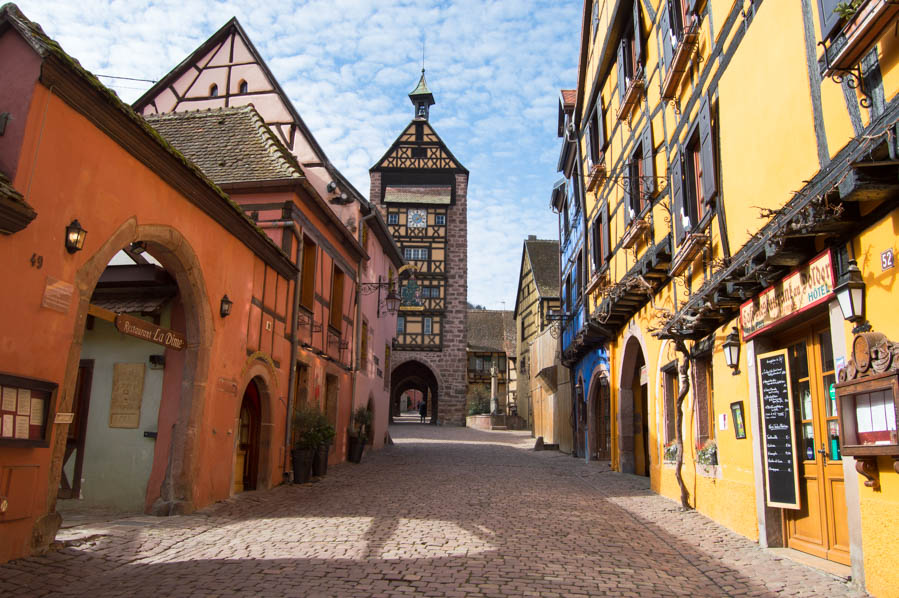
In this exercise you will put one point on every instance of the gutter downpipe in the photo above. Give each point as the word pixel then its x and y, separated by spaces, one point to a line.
pixel 291 381
pixel 358 329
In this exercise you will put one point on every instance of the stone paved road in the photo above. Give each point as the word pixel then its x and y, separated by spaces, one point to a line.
pixel 446 512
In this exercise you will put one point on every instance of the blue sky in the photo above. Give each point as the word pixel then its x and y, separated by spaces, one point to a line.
pixel 495 69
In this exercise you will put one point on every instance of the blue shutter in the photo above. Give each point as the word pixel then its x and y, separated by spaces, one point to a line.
pixel 707 151
pixel 676 173
pixel 665 32
pixel 649 181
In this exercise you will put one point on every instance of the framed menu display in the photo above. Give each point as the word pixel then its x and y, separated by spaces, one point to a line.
pixel 25 407
pixel 778 430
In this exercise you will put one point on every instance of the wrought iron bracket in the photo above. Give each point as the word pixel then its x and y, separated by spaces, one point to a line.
pixel 852 76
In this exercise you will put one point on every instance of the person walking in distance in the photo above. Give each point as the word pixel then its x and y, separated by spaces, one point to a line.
pixel 422 410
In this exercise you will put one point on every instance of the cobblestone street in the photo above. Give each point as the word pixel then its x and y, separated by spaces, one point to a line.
pixel 444 512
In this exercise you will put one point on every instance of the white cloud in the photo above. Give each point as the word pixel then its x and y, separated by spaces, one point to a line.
pixel 495 68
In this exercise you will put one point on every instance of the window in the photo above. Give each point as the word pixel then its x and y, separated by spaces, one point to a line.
pixel 523 328
pixel 430 292
pixel 694 182
pixel 671 390
pixel 694 179
pixel 641 176
pixel 307 291
pixel 630 55
pixel 336 298
pixel 596 245
pixel 703 393
pixel 830 19
pixel 420 152
pixel 428 325
pixel 242 86
pixel 595 135
pixel 400 325
pixel 213 91
pixel 440 219
pixel 393 218
pixel 415 253
pixel 595 17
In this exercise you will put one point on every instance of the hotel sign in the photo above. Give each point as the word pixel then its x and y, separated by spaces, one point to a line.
pixel 149 331
pixel 803 289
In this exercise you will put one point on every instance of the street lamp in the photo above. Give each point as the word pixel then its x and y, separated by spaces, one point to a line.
pixel 851 296
pixel 225 307
pixel 75 236
pixel 391 302
pixel 732 351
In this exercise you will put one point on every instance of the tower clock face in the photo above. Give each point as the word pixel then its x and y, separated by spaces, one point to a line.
pixel 417 218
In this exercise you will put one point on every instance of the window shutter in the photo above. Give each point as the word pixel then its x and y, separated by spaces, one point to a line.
pixel 707 151
pixel 676 172
pixel 649 181
pixel 665 32
pixel 601 124
pixel 595 248
pixel 638 38
pixel 629 192
pixel 829 19
pixel 622 84
pixel 606 236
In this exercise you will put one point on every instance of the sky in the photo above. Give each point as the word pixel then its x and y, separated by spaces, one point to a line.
pixel 495 69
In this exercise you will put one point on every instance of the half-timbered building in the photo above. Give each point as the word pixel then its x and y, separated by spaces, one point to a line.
pixel 491 367
pixel 421 189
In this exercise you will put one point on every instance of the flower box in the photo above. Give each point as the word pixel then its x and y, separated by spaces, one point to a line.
pixel 596 176
pixel 859 34
pixel 631 97
pixel 681 61
pixel 692 247
pixel 635 231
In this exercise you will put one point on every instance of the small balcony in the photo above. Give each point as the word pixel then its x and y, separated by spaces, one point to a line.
pixel 859 34
pixel 631 96
pixel 681 61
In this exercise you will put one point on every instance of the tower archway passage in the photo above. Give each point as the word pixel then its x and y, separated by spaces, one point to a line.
pixel 414 375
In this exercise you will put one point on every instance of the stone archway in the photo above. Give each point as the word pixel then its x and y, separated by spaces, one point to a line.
pixel 599 415
pixel 632 417
pixel 415 375
pixel 176 255
pixel 259 373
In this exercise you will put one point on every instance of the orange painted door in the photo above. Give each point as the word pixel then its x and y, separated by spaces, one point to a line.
pixel 820 526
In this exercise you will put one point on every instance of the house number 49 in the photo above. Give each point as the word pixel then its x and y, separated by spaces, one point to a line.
pixel 886 260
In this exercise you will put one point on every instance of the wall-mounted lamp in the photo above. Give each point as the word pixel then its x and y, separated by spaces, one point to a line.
pixel 391 302
pixel 157 362
pixel 851 296
pixel 75 236
pixel 138 247
pixel 225 308
pixel 732 350
pixel 394 344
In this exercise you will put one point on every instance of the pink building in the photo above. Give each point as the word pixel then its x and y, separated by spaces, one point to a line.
pixel 227 71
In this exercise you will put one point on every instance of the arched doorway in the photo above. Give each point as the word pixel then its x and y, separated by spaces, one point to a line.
pixel 601 418
pixel 167 429
pixel 414 375
pixel 633 411
pixel 246 460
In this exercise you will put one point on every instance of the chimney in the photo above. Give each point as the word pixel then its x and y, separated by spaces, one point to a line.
pixel 532 237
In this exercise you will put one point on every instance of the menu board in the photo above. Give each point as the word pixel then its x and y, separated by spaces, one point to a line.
pixel 22 410
pixel 779 430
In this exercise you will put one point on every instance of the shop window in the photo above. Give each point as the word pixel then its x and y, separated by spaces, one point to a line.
pixel 670 389
pixel 703 399
pixel 307 289
pixel 336 314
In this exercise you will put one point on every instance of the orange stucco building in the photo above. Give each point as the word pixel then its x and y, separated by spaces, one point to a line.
pixel 71 151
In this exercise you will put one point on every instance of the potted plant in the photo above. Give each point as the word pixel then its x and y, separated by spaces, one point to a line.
pixel 305 441
pixel 357 434
pixel 324 434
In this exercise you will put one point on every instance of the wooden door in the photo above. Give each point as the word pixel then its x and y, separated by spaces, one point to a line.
pixel 820 526
pixel 603 422
pixel 247 454
pixel 77 431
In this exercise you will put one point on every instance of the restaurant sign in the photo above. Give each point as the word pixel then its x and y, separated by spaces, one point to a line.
pixel 803 289
pixel 149 331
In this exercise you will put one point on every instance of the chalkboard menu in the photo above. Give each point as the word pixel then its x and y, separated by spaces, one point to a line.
pixel 777 417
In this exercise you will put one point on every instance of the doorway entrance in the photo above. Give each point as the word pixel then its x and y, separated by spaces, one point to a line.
pixel 246 462
pixel 820 526
pixel 601 429
pixel 633 412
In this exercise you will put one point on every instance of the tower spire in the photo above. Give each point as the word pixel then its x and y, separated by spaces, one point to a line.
pixel 421 97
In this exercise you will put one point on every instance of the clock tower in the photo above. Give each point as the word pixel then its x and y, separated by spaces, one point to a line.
pixel 422 191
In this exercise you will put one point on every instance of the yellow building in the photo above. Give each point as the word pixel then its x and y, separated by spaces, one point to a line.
pixel 730 159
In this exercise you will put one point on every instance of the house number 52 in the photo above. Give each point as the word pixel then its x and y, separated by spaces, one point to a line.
pixel 886 259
